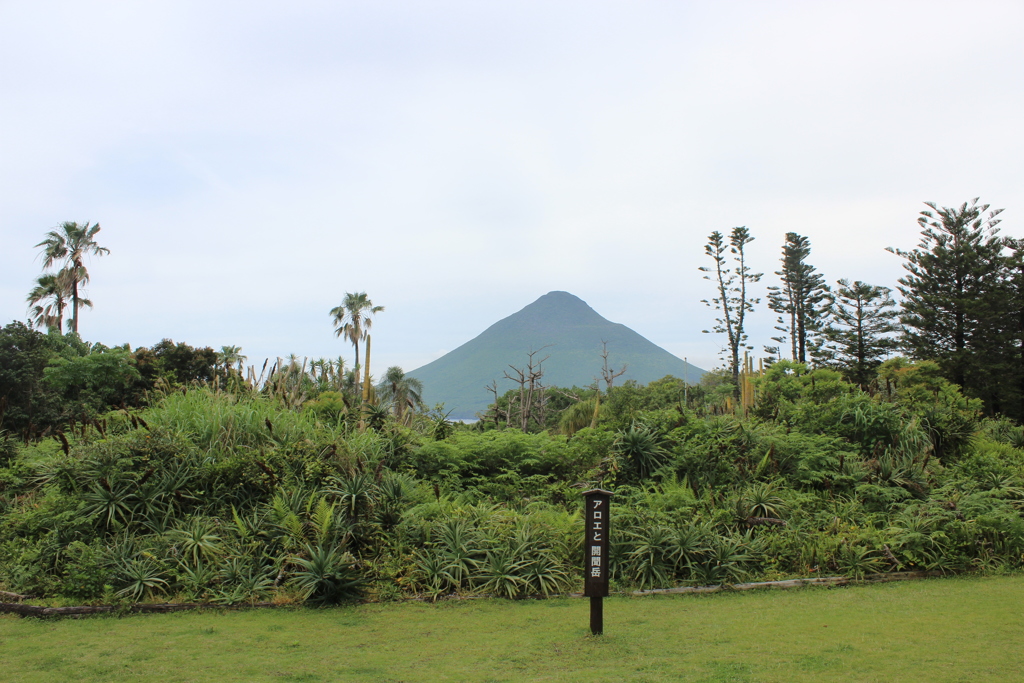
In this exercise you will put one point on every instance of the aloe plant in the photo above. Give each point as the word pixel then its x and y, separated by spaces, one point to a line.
pixel 140 577
pixel 327 575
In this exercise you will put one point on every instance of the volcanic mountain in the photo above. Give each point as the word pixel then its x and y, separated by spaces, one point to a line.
pixel 561 327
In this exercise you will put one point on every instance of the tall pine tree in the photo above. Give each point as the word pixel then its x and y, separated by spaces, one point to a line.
pixel 732 299
pixel 802 300
pixel 955 293
pixel 1008 374
pixel 863 318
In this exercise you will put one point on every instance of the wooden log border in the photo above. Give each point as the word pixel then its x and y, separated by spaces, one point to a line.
pixel 15 596
pixel 39 611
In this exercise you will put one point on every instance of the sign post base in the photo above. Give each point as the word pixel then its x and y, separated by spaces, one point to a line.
pixel 597 616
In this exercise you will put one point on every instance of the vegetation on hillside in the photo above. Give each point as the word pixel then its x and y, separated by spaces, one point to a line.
pixel 173 472
pixel 234 495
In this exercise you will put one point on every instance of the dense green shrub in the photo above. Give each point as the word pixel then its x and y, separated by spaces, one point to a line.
pixel 232 497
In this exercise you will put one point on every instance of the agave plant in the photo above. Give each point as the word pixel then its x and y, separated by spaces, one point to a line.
pixel 140 577
pixel 461 551
pixel 158 521
pixel 197 579
pixel 376 416
pixel 327 575
pixel 255 583
pixel 431 571
pixel 171 487
pixel 111 502
pixel 542 575
pixel 392 495
pixel 242 581
pixel 197 540
pixel 762 501
pixel 247 529
pixel 917 541
pixel 649 560
pixel 440 426
pixel 723 563
pixel 355 494
pixel 639 447
pixel 687 544
pixel 857 561
pixel 501 574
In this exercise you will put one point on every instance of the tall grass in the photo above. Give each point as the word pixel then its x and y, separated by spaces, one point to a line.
pixel 218 423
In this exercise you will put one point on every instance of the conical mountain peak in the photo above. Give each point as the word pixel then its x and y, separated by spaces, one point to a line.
pixel 570 333
pixel 553 310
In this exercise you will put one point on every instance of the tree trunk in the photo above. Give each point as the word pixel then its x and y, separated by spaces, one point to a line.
pixel 366 373
pixel 74 306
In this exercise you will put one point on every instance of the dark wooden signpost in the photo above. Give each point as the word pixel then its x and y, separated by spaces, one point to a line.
pixel 595 554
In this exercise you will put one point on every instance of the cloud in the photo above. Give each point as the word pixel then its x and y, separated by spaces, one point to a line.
pixel 458 160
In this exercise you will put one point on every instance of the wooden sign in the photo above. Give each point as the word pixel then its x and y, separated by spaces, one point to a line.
pixel 595 553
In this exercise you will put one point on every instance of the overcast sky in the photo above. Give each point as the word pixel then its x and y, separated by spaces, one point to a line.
pixel 250 162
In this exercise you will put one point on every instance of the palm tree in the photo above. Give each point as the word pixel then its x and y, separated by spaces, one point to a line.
pixel 71 242
pixel 403 391
pixel 48 299
pixel 230 356
pixel 353 319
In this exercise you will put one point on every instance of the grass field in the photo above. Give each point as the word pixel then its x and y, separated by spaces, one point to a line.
pixel 959 629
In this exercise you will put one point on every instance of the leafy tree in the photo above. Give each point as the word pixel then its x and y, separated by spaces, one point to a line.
pixel 863 318
pixel 404 392
pixel 732 299
pixel 353 319
pixel 954 291
pixel 26 406
pixel 89 384
pixel 71 243
pixel 48 299
pixel 1012 342
pixel 712 392
pixel 178 363
pixel 802 299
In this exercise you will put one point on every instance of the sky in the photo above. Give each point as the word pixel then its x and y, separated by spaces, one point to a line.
pixel 251 162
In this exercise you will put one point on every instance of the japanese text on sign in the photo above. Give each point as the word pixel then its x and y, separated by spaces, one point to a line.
pixel 596 564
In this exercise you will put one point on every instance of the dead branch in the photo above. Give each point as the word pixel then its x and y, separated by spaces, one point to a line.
pixel 607 373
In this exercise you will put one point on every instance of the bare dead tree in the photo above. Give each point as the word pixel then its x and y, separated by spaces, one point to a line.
pixel 497 411
pixel 531 394
pixel 607 373
pixel 542 405
pixel 537 390
pixel 519 377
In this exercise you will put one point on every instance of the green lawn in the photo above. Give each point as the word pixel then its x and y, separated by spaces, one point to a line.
pixel 963 629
